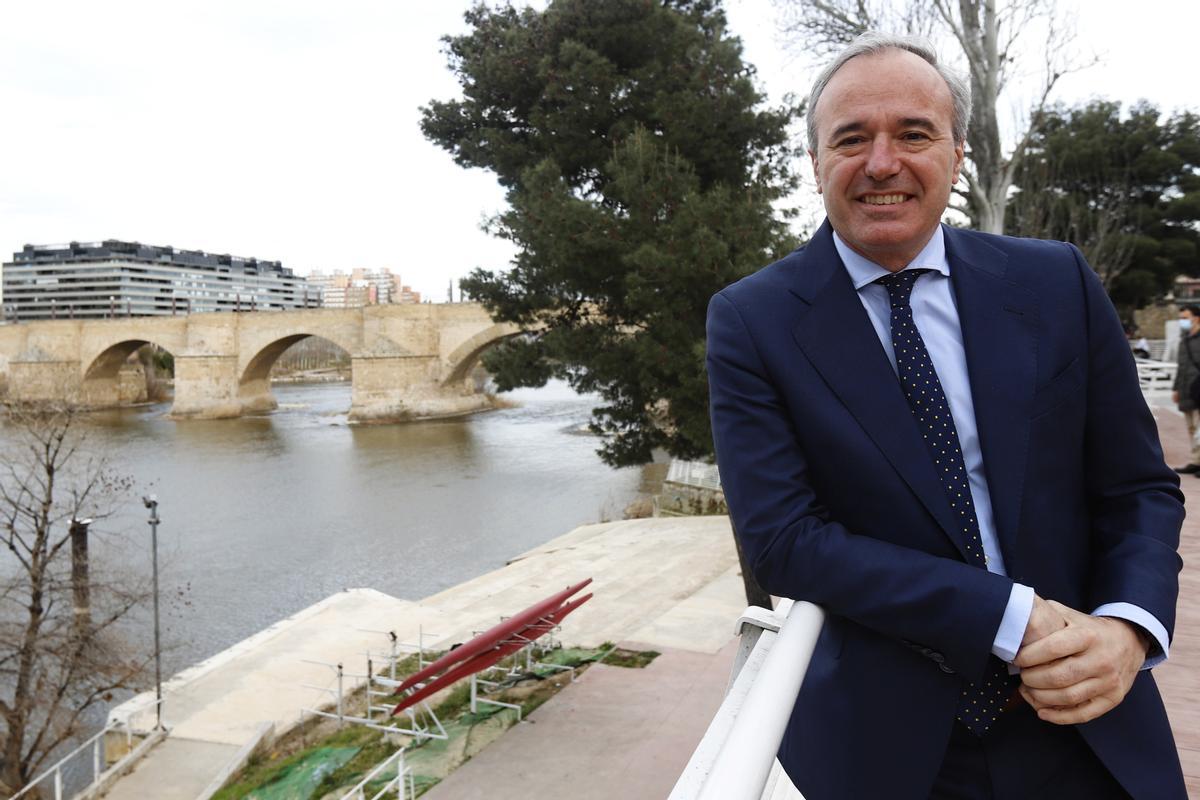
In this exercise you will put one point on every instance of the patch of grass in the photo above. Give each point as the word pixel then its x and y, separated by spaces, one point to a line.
pixel 620 657
pixel 454 702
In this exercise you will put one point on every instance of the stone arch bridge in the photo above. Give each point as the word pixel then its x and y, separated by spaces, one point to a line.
pixel 408 361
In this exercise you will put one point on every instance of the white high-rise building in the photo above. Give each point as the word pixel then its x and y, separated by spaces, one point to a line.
pixel 117 279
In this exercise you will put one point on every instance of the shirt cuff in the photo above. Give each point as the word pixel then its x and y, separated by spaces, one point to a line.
pixel 1147 622
pixel 1013 623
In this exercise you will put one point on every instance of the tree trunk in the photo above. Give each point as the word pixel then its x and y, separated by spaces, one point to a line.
pixel 755 594
pixel 990 214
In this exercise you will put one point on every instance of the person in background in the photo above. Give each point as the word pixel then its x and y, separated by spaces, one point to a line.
pixel 1188 371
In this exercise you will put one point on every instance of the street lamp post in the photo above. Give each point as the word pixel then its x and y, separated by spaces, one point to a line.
pixel 151 502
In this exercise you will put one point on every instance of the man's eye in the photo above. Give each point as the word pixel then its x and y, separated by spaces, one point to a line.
pixel 850 141
pixel 916 136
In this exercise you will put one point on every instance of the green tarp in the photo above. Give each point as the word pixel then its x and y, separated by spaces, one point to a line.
pixel 298 781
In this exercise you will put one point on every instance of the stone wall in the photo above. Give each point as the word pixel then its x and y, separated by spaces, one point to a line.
pixel 1150 321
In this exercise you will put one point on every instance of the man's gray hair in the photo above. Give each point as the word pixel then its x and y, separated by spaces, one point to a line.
pixel 873 42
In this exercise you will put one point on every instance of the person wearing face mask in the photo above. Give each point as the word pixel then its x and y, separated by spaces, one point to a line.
pixel 1186 374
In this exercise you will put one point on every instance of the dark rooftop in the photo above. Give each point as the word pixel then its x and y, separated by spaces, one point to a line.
pixel 136 251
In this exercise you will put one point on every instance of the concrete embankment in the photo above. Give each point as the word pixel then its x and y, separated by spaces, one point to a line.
pixel 668 584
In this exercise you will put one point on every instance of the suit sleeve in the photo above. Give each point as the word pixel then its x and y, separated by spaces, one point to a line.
pixel 796 550
pixel 1135 505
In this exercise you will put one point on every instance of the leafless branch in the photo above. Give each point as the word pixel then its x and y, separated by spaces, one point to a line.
pixel 55 666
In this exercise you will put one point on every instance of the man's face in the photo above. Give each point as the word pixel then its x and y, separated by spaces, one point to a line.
pixel 1191 320
pixel 885 159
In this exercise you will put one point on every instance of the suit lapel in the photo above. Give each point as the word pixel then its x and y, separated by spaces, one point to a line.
pixel 837 338
pixel 999 321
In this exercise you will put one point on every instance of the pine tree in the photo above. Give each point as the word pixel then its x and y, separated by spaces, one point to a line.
pixel 642 171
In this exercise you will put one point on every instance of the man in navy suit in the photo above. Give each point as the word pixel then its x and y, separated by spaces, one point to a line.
pixel 938 436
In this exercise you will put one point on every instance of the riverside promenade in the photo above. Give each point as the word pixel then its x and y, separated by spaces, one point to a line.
pixel 1179 677
pixel 669 584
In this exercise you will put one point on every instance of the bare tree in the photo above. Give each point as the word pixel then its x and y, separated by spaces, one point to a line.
pixel 1100 223
pixel 61 653
pixel 987 35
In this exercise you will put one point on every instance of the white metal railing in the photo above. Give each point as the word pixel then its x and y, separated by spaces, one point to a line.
pixel 1159 349
pixel 736 758
pixel 95 745
pixel 405 789
pixel 1155 375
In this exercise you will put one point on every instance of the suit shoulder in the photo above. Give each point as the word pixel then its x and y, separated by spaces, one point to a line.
pixel 1033 262
pixel 771 279
pixel 1024 247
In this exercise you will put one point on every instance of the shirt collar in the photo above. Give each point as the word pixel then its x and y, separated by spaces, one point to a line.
pixel 864 271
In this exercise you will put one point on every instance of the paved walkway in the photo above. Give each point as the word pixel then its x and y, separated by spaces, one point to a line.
pixel 1179 677
pixel 615 733
pixel 669 583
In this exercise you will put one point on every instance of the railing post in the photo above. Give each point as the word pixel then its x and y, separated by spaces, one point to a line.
pixel 58 788
pixel 339 697
pixel 369 684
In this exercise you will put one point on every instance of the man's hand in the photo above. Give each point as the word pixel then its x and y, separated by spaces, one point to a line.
pixel 1043 621
pixel 1175 398
pixel 1080 671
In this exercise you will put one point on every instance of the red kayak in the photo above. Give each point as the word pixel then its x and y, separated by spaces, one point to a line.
pixel 491 636
pixel 500 649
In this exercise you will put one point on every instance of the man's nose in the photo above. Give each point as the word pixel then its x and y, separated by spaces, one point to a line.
pixel 882 162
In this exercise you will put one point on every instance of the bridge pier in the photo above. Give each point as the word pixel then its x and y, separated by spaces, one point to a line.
pixel 206 387
pixel 127 386
pixel 395 388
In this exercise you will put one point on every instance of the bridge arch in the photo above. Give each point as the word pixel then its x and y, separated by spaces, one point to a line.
pixel 254 380
pixel 106 382
pixel 466 356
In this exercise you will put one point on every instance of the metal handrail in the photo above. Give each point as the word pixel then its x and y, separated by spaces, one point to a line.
pixel 96 743
pixel 404 789
pixel 735 758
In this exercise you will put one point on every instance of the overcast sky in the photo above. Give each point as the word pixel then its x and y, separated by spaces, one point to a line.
pixel 287 129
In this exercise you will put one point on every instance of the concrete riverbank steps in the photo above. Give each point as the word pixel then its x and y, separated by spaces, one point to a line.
pixel 667 584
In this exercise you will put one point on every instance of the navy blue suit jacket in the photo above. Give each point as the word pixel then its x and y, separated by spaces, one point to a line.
pixel 835 499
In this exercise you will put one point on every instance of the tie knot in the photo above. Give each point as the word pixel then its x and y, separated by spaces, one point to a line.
pixel 900 285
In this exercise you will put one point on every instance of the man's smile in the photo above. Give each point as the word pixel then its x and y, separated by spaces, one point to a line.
pixel 884 199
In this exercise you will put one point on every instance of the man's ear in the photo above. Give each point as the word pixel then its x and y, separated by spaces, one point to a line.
pixel 817 171
pixel 958 160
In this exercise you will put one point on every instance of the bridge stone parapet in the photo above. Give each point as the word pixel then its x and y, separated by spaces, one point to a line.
pixel 408 361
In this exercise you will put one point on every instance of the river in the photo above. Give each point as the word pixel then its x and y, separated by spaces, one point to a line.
pixel 263 516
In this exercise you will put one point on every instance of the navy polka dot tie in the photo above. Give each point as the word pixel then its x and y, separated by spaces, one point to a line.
pixel 981 703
